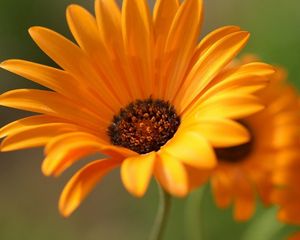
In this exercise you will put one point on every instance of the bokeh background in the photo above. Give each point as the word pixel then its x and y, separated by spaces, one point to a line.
pixel 28 200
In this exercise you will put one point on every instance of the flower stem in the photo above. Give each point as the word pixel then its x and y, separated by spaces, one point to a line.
pixel 160 222
pixel 193 215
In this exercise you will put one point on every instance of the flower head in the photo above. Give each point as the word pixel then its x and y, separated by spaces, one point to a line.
pixel 137 88
pixel 248 169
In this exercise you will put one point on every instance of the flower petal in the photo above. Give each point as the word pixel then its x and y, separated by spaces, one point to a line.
pixel 164 13
pixel 52 104
pixel 221 188
pixel 85 30
pixel 228 105
pixel 220 132
pixel 27 123
pixel 52 78
pixel 82 183
pixel 172 175
pixel 136 173
pixel 35 137
pixel 209 65
pixel 138 42
pixel 108 17
pixel 254 74
pixel 63 52
pixel 244 199
pixel 66 149
pixel 210 39
pixel 191 148
pixel 180 44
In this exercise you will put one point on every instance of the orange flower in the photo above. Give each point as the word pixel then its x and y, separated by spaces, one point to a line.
pixel 286 177
pixel 247 169
pixel 295 236
pixel 138 89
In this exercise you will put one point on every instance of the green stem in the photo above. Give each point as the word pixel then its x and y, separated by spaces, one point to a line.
pixel 193 212
pixel 160 222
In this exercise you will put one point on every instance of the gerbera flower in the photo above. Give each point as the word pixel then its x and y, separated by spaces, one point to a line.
pixel 287 194
pixel 295 236
pixel 245 170
pixel 138 89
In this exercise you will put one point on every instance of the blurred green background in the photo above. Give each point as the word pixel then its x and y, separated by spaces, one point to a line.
pixel 28 200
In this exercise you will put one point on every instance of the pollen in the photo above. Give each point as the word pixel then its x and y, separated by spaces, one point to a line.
pixel 144 125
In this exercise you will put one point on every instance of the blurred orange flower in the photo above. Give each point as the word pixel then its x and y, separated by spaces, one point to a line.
pixel 137 88
pixel 248 169
pixel 295 236
pixel 286 176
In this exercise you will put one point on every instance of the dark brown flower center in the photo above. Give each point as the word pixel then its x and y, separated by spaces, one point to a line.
pixel 237 153
pixel 144 125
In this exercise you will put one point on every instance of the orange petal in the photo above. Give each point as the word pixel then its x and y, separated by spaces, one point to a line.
pixel 228 105
pixel 82 183
pixel 164 13
pixel 66 149
pixel 83 27
pixel 26 124
pixel 197 177
pixel 63 52
pixel 191 148
pixel 50 103
pixel 55 79
pixel 221 188
pixel 172 175
pixel 180 44
pixel 209 65
pixel 210 39
pixel 108 17
pixel 252 74
pixel 295 236
pixel 136 173
pixel 220 132
pixel 85 30
pixel 244 199
pixel 35 137
pixel 138 42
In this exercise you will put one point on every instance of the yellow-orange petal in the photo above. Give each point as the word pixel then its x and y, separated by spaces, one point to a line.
pixel 209 65
pixel 108 18
pixel 229 105
pixel 138 42
pixel 252 74
pixel 68 148
pixel 56 105
pixel 180 44
pixel 210 39
pixel 172 175
pixel 27 123
pixel 220 132
pixel 244 199
pixel 57 80
pixel 35 137
pixel 63 52
pixel 136 173
pixel 164 13
pixel 197 177
pixel 52 78
pixel 82 183
pixel 84 28
pixel 295 236
pixel 191 148
pixel 221 188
